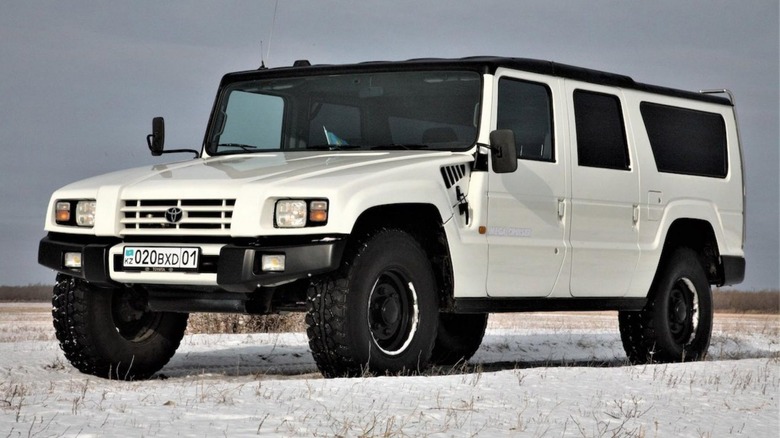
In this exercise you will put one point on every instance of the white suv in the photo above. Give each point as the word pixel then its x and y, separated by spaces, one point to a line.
pixel 398 203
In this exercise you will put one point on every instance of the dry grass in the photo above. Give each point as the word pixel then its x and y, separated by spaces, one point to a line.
pixel 32 292
pixel 725 301
pixel 735 301
pixel 211 323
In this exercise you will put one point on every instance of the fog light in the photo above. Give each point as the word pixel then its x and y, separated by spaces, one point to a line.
pixel 272 263
pixel 73 260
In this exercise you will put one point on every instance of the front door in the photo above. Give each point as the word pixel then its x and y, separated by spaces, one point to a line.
pixel 526 230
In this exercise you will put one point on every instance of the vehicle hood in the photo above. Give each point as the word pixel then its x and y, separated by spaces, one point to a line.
pixel 214 176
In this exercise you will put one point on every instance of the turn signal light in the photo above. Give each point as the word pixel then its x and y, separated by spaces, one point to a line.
pixel 318 211
pixel 62 213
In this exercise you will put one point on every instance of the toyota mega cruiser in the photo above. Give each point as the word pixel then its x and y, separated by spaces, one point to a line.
pixel 398 204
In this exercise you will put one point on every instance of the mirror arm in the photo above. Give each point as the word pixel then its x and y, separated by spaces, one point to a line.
pixel 487 146
pixel 149 139
pixel 174 151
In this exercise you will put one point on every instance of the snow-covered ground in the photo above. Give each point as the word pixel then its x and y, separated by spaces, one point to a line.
pixel 559 374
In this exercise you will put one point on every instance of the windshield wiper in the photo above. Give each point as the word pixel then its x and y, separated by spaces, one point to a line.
pixel 333 147
pixel 406 147
pixel 246 147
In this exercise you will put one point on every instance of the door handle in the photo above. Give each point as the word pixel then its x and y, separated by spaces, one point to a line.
pixel 636 214
pixel 561 208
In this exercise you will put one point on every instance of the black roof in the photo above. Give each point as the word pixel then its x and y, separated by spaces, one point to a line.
pixel 484 64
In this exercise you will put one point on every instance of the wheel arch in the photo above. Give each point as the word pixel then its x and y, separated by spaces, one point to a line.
pixel 698 235
pixel 424 223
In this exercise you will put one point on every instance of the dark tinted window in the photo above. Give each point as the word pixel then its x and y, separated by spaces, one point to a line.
pixel 686 141
pixel 601 134
pixel 524 107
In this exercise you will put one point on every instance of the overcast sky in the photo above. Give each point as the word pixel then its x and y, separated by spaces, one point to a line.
pixel 81 81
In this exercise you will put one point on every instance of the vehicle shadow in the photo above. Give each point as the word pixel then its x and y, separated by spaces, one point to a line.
pixel 498 352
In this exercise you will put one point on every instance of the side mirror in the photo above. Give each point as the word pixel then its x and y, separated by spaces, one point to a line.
pixel 156 140
pixel 503 151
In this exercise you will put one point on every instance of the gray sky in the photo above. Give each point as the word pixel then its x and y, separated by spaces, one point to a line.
pixel 80 81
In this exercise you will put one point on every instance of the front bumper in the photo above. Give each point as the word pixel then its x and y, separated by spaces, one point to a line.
pixel 234 267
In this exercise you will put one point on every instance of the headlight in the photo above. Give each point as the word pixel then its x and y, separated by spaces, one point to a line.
pixel 291 214
pixel 298 213
pixel 84 213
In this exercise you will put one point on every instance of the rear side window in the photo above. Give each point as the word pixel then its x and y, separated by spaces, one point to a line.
pixel 601 133
pixel 525 108
pixel 686 141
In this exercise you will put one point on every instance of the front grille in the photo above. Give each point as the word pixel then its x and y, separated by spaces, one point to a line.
pixel 166 215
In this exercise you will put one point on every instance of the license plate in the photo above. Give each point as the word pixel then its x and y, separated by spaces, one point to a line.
pixel 164 259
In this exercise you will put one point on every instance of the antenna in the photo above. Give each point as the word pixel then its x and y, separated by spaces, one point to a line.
pixel 270 37
pixel 262 62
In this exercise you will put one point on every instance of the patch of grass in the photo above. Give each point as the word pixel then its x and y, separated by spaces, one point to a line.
pixel 736 301
pixel 725 301
pixel 32 292
pixel 212 323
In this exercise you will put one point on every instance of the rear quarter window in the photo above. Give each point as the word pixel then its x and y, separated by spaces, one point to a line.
pixel 686 141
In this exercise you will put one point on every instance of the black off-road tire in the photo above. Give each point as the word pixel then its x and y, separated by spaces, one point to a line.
pixel 379 313
pixel 676 323
pixel 458 337
pixel 108 333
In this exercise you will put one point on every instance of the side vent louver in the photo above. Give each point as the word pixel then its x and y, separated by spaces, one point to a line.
pixel 453 174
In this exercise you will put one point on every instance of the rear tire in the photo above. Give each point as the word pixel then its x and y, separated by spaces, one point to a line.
pixel 108 332
pixel 676 323
pixel 458 337
pixel 378 313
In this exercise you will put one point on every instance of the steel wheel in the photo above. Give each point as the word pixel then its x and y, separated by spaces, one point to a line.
pixel 683 311
pixel 393 312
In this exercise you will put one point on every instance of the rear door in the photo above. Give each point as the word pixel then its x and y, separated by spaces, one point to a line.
pixel 604 192
pixel 526 209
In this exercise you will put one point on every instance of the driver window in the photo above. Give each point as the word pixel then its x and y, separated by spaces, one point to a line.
pixel 525 108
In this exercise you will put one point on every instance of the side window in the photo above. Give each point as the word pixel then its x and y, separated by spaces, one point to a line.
pixel 525 108
pixel 601 133
pixel 686 141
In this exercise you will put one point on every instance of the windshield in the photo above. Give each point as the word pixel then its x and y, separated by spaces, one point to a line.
pixel 365 111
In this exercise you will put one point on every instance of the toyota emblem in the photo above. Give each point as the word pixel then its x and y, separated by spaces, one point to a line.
pixel 174 214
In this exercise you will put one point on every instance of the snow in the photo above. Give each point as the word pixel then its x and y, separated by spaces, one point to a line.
pixel 535 375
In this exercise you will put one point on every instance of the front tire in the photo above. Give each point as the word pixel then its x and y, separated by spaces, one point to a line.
pixel 378 313
pixel 108 332
pixel 676 323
